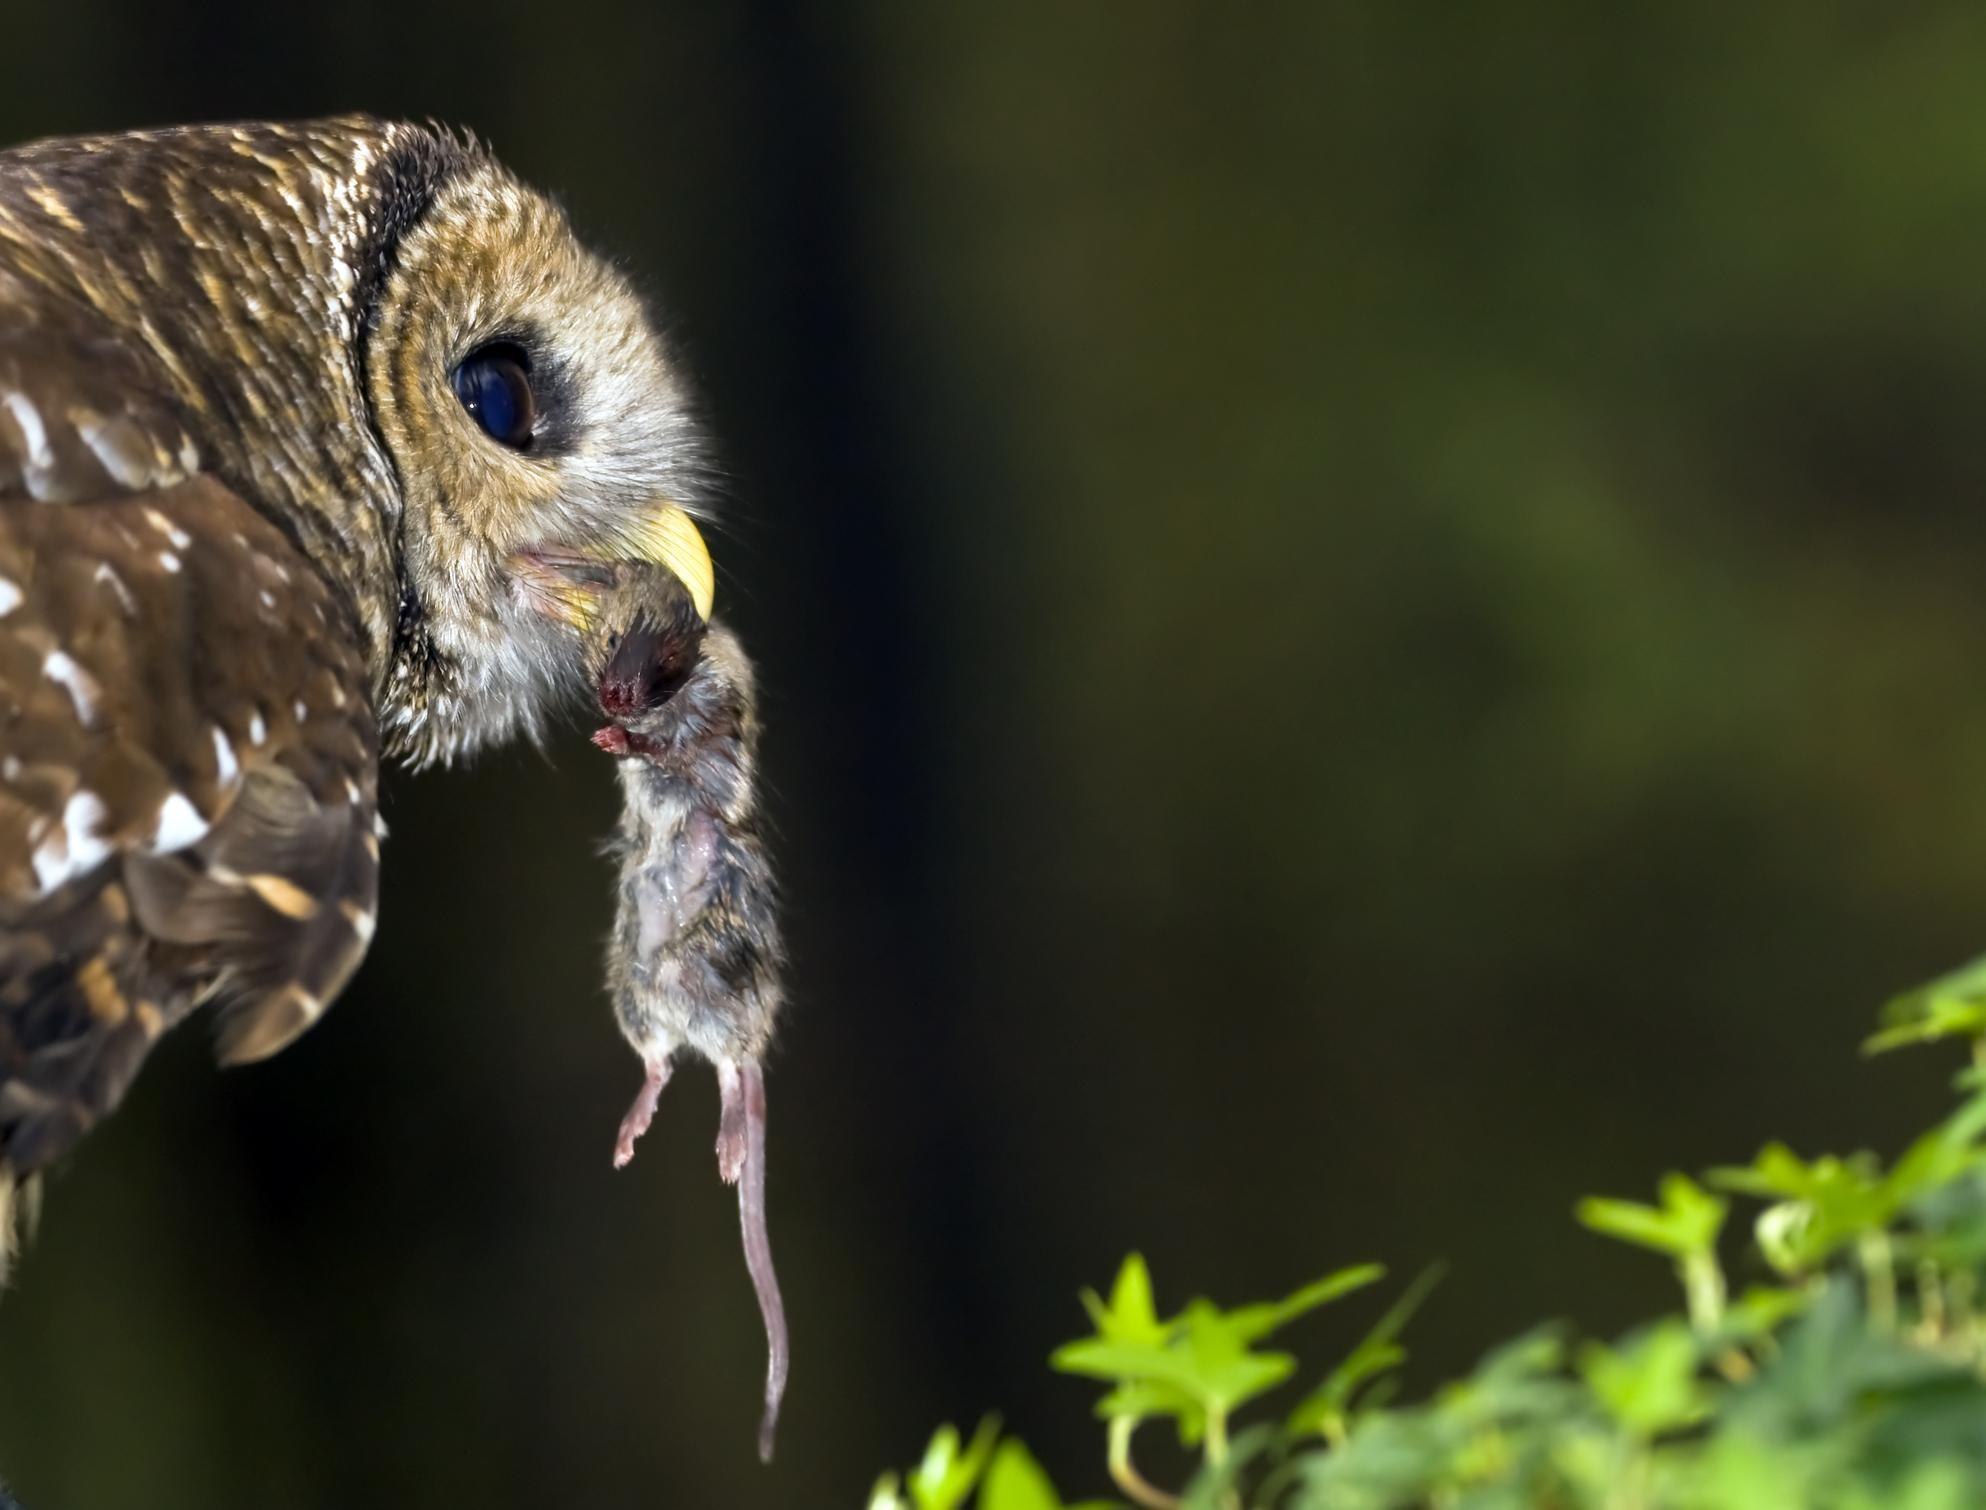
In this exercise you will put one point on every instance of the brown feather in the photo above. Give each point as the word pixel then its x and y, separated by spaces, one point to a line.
pixel 174 829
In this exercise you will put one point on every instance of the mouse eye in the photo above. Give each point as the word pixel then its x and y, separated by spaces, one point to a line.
pixel 494 385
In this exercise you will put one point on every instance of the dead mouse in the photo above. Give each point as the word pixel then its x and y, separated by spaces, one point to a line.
pixel 695 957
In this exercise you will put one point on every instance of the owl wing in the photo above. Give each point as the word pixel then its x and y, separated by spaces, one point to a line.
pixel 188 756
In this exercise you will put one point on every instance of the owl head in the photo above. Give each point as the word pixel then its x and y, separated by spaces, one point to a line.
pixel 381 338
pixel 538 432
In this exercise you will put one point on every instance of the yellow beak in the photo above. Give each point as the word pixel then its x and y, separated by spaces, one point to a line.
pixel 565 585
pixel 669 538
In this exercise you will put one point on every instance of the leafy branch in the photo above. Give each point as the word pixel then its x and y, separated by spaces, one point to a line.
pixel 1851 1375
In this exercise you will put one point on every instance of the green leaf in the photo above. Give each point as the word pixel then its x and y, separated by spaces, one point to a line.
pixel 1776 1171
pixel 1329 1405
pixel 1521 1381
pixel 1196 1364
pixel 946 1476
pixel 1095 1358
pixel 1739 1471
pixel 1130 1342
pixel 1016 1482
pixel 1207 1362
pixel 1946 1153
pixel 1784 1236
pixel 1649 1384
pixel 1760 1311
pixel 1130 1315
pixel 886 1495
pixel 1822 1206
pixel 1218 1364
pixel 1940 1484
pixel 1253 1322
pixel 1952 1006
pixel 1687 1221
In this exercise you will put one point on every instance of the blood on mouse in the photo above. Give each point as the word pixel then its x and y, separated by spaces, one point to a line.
pixel 695 957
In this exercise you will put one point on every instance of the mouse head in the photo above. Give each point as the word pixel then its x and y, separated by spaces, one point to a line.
pixel 639 620
pixel 644 642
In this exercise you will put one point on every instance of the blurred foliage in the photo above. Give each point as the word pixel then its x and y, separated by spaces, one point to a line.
pixel 1855 1380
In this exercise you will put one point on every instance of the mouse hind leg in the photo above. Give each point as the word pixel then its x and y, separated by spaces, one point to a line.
pixel 642 1112
pixel 734 1118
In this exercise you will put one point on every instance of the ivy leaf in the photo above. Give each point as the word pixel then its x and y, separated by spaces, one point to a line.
pixel 946 1476
pixel 1822 1206
pixel 1521 1381
pixel 1196 1364
pixel 1776 1172
pixel 1257 1321
pixel 1761 1311
pixel 1095 1358
pixel 1687 1221
pixel 1218 1365
pixel 1327 1407
pixel 1952 1006
pixel 1649 1384
pixel 1946 1153
pixel 1016 1482
pixel 1130 1315
pixel 1130 1342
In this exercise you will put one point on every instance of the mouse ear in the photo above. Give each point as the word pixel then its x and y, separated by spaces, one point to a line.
pixel 653 659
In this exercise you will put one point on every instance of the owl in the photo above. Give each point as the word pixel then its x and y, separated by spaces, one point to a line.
pixel 308 433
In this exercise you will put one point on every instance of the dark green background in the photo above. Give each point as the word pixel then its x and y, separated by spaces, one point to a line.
pixel 1372 619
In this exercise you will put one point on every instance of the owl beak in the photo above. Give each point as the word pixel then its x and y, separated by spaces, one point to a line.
pixel 565 585
pixel 669 538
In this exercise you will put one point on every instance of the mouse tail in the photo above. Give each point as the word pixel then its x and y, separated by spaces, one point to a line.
pixel 758 1248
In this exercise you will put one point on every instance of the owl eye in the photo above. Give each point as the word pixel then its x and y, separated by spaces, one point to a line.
pixel 494 385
